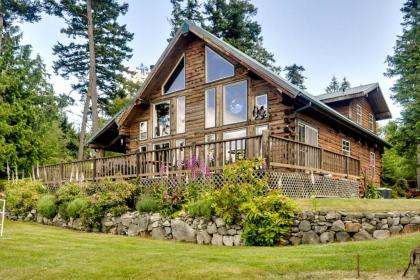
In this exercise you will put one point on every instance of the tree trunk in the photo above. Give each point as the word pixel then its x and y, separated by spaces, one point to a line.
pixel 92 69
pixel 1 30
pixel 418 166
pixel 83 127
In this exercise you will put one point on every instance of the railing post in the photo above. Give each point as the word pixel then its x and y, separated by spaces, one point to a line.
pixel 138 163
pixel 321 158
pixel 265 142
pixel 347 166
pixel 61 173
pixel 193 147
pixel 94 170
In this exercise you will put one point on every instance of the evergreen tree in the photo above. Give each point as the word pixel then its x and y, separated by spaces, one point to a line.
pixel 333 86
pixel 405 65
pixel 190 11
pixel 97 51
pixel 294 74
pixel 13 10
pixel 345 84
pixel 29 111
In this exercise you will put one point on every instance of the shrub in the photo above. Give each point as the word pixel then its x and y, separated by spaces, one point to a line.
pixel 400 188
pixel 268 219
pixel 76 207
pixel 200 208
pixel 372 191
pixel 147 204
pixel 195 190
pixel 46 206
pixel 242 183
pixel 65 194
pixel 23 195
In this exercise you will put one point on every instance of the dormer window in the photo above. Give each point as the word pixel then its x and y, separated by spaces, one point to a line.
pixel 176 80
pixel 217 67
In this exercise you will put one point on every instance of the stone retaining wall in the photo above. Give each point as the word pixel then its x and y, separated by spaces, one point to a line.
pixel 309 227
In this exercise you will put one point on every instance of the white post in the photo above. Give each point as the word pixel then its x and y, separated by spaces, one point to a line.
pixel 2 217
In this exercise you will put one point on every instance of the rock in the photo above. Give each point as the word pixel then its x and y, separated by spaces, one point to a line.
pixel 109 223
pixel 305 226
pixel 222 230
pixel 353 227
pixel 217 240
pixel 166 223
pixel 33 211
pixel 237 240
pixel 39 219
pixel 133 230
pixel 231 231
pixel 368 227
pixel 29 217
pixel 395 229
pixel 155 217
pixel 404 220
pixel 330 216
pixel 143 222
pixel 320 229
pixel 410 228
pixel 362 235
pixel 310 237
pixel 327 237
pixel 181 231
pixel 219 222
pixel 158 233
pixel 203 237
pixel 381 234
pixel 338 226
pixel 369 216
pixel 396 221
pixel 342 236
pixel 381 215
pixel 228 240
pixel 126 219
pixel 295 240
pixel 415 220
pixel 211 228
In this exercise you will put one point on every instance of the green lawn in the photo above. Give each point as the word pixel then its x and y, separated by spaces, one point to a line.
pixel 32 251
pixel 359 205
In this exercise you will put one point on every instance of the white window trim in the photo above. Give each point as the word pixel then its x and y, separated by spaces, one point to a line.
pixel 178 131
pixel 223 101
pixel 300 122
pixel 205 107
pixel 359 113
pixel 153 118
pixel 255 103
pixel 372 163
pixel 170 75
pixel 345 152
pixel 147 131
pixel 142 146
pixel 371 124
pixel 207 146
pixel 258 126
pixel 205 65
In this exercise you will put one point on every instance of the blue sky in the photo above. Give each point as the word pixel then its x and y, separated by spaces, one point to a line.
pixel 327 37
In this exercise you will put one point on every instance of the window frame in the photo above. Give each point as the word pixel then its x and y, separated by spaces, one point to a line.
pixel 224 143
pixel 156 165
pixel 178 126
pixel 208 146
pixel 205 107
pixel 140 133
pixel 168 101
pixel 224 101
pixel 206 47
pixel 343 150
pixel 266 106
pixel 372 163
pixel 260 126
pixel 306 125
pixel 359 114
pixel 371 122
pixel 170 75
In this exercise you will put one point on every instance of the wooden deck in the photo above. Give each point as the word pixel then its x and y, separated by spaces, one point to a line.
pixel 204 159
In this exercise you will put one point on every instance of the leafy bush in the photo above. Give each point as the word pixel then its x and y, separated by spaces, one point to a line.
pixel 195 190
pixel 46 206
pixel 200 208
pixel 76 207
pixel 65 194
pixel 23 195
pixel 242 183
pixel 372 191
pixel 147 204
pixel 268 219
pixel 400 188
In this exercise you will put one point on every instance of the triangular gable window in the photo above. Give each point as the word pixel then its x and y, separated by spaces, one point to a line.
pixel 176 80
pixel 217 67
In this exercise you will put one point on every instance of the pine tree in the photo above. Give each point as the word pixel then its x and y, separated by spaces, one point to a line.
pixel 190 11
pixel 405 65
pixel 345 84
pixel 294 74
pixel 333 86
pixel 13 10
pixel 93 58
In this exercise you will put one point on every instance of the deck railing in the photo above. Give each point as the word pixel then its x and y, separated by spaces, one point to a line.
pixel 203 158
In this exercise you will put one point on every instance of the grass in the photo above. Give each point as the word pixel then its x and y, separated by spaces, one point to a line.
pixel 359 205
pixel 33 251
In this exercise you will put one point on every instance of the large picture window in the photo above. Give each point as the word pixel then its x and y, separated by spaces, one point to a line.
pixel 260 111
pixel 235 103
pixel 180 114
pixel 143 130
pixel 235 149
pixel 217 67
pixel 161 119
pixel 176 80
pixel 210 109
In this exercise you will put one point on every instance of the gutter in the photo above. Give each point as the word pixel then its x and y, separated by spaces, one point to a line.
pixel 304 107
